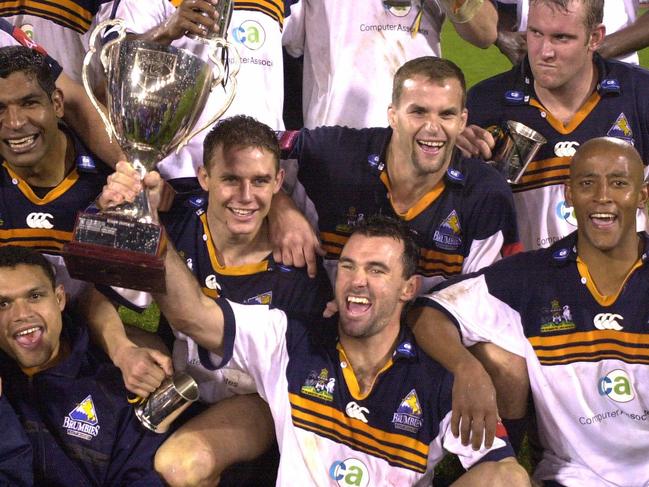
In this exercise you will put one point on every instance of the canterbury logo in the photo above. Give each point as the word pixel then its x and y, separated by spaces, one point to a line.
pixel 355 411
pixel 565 149
pixel 607 321
pixel 39 220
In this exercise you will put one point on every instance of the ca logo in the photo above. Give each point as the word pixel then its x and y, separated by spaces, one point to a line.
pixel 565 149
pixel 350 472
pixel 607 321
pixel 39 220
pixel 617 386
pixel 250 33
pixel 567 213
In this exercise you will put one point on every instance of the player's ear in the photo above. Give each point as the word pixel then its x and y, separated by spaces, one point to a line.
pixel 411 288
pixel 567 191
pixel 203 178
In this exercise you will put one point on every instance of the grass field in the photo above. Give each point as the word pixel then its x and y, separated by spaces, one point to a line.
pixel 479 64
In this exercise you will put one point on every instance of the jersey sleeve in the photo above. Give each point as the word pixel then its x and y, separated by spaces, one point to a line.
pixel 15 449
pixel 294 34
pixel 479 315
pixel 490 221
pixel 254 342
pixel 139 16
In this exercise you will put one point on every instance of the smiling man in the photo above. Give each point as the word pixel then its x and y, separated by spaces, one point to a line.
pixel 460 209
pixel 67 395
pixel 577 313
pixel 377 422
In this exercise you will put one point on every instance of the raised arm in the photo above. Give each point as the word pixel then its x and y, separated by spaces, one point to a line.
pixel 629 39
pixel 474 20
pixel 184 304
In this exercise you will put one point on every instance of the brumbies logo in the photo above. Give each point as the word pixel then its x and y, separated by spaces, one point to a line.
pixel 448 235
pixel 82 421
pixel 621 129
pixel 408 415
pixel 556 318
pixel 263 298
pixel 319 385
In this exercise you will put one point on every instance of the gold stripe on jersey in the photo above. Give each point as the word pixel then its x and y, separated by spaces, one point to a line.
pixel 61 188
pixel 580 116
pixel 64 12
pixel 591 346
pixel 328 421
pixel 424 202
pixel 38 238
pixel 433 262
pixel 350 377
pixel 544 172
pixel 239 270
pixel 601 299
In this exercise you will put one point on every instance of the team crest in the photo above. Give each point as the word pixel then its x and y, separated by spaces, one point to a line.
pixel 82 421
pixel 408 415
pixel 263 298
pixel 621 129
pixel 319 385
pixel 353 218
pixel 556 318
pixel 448 235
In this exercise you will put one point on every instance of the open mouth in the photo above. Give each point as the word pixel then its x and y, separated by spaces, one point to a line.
pixel 29 337
pixel 357 305
pixel 242 212
pixel 430 146
pixel 603 220
pixel 21 144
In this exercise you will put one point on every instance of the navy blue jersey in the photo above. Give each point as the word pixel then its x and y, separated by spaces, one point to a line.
pixel 587 357
pixel 619 107
pixel 287 288
pixel 72 14
pixel 15 449
pixel 461 225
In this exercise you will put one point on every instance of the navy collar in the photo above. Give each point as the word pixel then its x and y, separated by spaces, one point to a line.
pixel 564 251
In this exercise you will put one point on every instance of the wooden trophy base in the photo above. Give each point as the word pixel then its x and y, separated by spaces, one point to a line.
pixel 117 251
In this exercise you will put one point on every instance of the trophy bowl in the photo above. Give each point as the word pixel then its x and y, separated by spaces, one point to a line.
pixel 516 146
pixel 155 94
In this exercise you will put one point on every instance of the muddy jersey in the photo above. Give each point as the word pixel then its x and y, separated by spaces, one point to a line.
pixel 463 224
pixel 329 432
pixel 587 358
pixel 45 223
pixel 619 107
pixel 278 286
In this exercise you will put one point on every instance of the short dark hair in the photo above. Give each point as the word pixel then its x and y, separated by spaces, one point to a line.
pixel 593 10
pixel 13 256
pixel 385 226
pixel 23 59
pixel 433 69
pixel 240 131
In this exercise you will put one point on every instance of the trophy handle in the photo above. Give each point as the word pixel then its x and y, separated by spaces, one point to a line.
pixel 121 34
pixel 230 84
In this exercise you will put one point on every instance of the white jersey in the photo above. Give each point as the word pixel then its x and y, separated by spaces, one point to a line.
pixel 586 354
pixel 255 30
pixel 352 53
pixel 618 14
pixel 328 432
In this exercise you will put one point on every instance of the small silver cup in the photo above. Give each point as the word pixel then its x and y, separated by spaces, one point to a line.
pixel 167 402
pixel 516 146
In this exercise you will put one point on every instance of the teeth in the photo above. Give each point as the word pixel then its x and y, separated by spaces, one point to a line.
pixel 605 216
pixel 430 144
pixel 239 212
pixel 21 143
pixel 27 331
pixel 356 299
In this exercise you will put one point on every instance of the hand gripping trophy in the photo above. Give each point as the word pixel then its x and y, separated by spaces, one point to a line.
pixel 155 94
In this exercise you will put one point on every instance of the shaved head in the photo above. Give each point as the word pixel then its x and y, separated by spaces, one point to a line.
pixel 611 148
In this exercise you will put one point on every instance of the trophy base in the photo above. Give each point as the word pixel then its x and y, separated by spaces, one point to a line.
pixel 117 251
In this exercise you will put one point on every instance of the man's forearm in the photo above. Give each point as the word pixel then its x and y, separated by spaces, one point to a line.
pixel 481 29
pixel 187 308
pixel 627 40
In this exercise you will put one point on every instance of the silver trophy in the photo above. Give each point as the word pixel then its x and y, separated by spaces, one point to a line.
pixel 516 146
pixel 155 94
pixel 167 402
pixel 224 15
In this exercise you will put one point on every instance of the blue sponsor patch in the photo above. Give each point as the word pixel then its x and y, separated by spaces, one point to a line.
pixel 86 163
pixel 455 175
pixel 405 349
pixel 609 86
pixel 284 268
pixel 374 160
pixel 514 97
pixel 561 254
pixel 197 201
